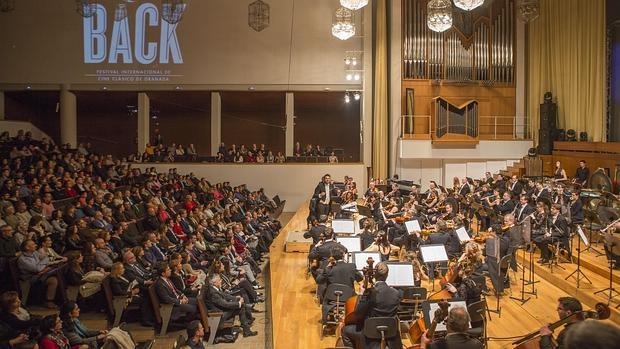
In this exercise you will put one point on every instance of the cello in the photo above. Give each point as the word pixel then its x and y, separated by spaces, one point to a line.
pixel 532 341
pixel 418 327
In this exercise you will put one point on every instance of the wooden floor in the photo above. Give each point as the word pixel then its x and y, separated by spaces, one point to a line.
pixel 296 314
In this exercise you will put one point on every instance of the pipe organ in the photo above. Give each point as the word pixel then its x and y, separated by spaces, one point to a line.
pixel 478 49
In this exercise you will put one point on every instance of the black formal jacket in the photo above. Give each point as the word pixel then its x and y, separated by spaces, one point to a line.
pixel 136 272
pixel 165 294
pixel 119 286
pixel 521 214
pixel 341 273
pixel 324 251
pixel 576 212
pixel 220 300
pixel 559 229
pixel 516 189
pixel 315 233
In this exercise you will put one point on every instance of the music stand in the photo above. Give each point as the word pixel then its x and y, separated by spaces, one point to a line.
pixel 429 307
pixel 613 293
pixel 578 274
pixel 351 243
pixel 593 218
pixel 364 211
pixel 433 254
pixel 400 275
pixel 360 258
pixel 343 226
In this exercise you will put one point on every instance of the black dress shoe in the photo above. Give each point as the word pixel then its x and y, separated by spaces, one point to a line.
pixel 249 333
pixel 228 338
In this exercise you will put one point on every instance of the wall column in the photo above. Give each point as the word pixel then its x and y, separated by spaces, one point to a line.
pixel 290 124
pixel 520 119
pixel 216 122
pixel 2 112
pixel 68 117
pixel 144 111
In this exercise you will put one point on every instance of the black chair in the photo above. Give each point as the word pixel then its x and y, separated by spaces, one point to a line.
pixel 412 298
pixel 381 328
pixel 335 297
pixel 477 313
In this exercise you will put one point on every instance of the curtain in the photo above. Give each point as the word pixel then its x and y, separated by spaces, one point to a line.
pixel 380 96
pixel 566 56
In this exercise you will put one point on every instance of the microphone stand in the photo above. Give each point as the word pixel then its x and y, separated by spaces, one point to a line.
pixel 613 293
pixel 578 273
pixel 522 299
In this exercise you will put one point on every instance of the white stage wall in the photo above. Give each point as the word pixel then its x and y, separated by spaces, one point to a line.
pixel 292 182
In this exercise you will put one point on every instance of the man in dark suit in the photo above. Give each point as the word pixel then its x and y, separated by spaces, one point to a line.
pixel 523 209
pixel 457 324
pixel 168 294
pixel 379 301
pixel 576 208
pixel 323 250
pixel 336 272
pixel 516 188
pixel 506 205
pixel 231 306
pixel 465 189
pixel 318 228
pixel 558 232
pixel 496 247
pixel 323 193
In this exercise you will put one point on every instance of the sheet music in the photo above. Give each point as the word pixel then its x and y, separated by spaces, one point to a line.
pixel 583 236
pixel 434 306
pixel 433 253
pixel 352 243
pixel 400 274
pixel 343 226
pixel 413 226
pixel 462 234
pixel 360 258
pixel 351 207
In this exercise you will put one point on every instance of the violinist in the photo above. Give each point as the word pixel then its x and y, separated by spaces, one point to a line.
pixel 464 286
pixel 457 325
pixel 336 272
pixel 323 250
pixel 379 301
pixel 368 233
pixel 557 230
pixel 391 208
pixel 383 246
pixel 317 229
pixel 566 307
pixel 441 237
pixel 372 190
pixel 395 192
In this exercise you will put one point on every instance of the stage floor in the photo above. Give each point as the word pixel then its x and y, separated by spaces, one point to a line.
pixel 296 313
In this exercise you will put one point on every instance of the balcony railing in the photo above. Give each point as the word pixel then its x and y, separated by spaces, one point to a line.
pixel 489 127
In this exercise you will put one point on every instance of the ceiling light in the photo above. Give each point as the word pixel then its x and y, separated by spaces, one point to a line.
pixel 468 5
pixel 347 98
pixel 343 27
pixel 357 96
pixel 353 4
pixel 439 15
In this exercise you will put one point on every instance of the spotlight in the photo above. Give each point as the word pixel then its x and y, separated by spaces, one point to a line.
pixel 347 61
pixel 347 98
pixel 349 77
pixel 177 88
pixel 357 96
pixel 28 87
pixel 356 77
pixel 354 62
pixel 105 88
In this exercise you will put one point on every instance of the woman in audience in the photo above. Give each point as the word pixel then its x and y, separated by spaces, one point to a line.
pixel 333 159
pixel 238 157
pixel 73 241
pixel 280 158
pixel 58 224
pixel 15 316
pixel 270 159
pixel 141 259
pixel 75 331
pixel 119 284
pixel 52 336
pixel 46 250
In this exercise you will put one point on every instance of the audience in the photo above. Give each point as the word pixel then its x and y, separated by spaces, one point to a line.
pixel 95 214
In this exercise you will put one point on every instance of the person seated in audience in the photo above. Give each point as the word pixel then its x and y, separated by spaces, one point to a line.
pixel 76 332
pixel 231 306
pixel 36 269
pixel 46 250
pixel 168 294
pixel 333 159
pixel 195 335
pixel 15 316
pixel 104 256
pixel 177 276
pixel 52 336
pixel 457 324
pixel 280 158
pixel 235 284
pixel 9 247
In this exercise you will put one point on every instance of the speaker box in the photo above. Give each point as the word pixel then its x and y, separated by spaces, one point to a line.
pixel 548 116
pixel 545 142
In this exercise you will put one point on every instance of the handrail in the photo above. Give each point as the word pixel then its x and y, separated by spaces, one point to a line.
pixel 519 127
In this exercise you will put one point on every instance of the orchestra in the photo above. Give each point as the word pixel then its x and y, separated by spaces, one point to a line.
pixel 492 212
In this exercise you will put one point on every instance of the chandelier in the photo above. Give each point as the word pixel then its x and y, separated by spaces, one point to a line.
pixel 468 5
pixel 343 26
pixel 528 10
pixel 172 10
pixel 86 8
pixel 439 16
pixel 7 5
pixel 353 4
pixel 258 15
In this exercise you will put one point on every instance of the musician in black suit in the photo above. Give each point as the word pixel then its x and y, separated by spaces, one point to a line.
pixel 558 230
pixel 576 208
pixel 323 250
pixel 541 192
pixel 465 188
pixel 496 247
pixel 506 205
pixel 323 193
pixel 523 209
pixel 582 174
pixel 515 187
pixel 169 294
pixel 457 324
pixel 336 272
pixel 379 301
pixel 231 306
pixel 317 229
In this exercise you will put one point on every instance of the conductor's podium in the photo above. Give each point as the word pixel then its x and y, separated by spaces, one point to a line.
pixel 295 242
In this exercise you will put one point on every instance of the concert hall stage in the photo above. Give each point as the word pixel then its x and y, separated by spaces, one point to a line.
pixel 296 313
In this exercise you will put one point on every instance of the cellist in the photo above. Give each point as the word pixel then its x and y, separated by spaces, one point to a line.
pixel 379 301
pixel 566 307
